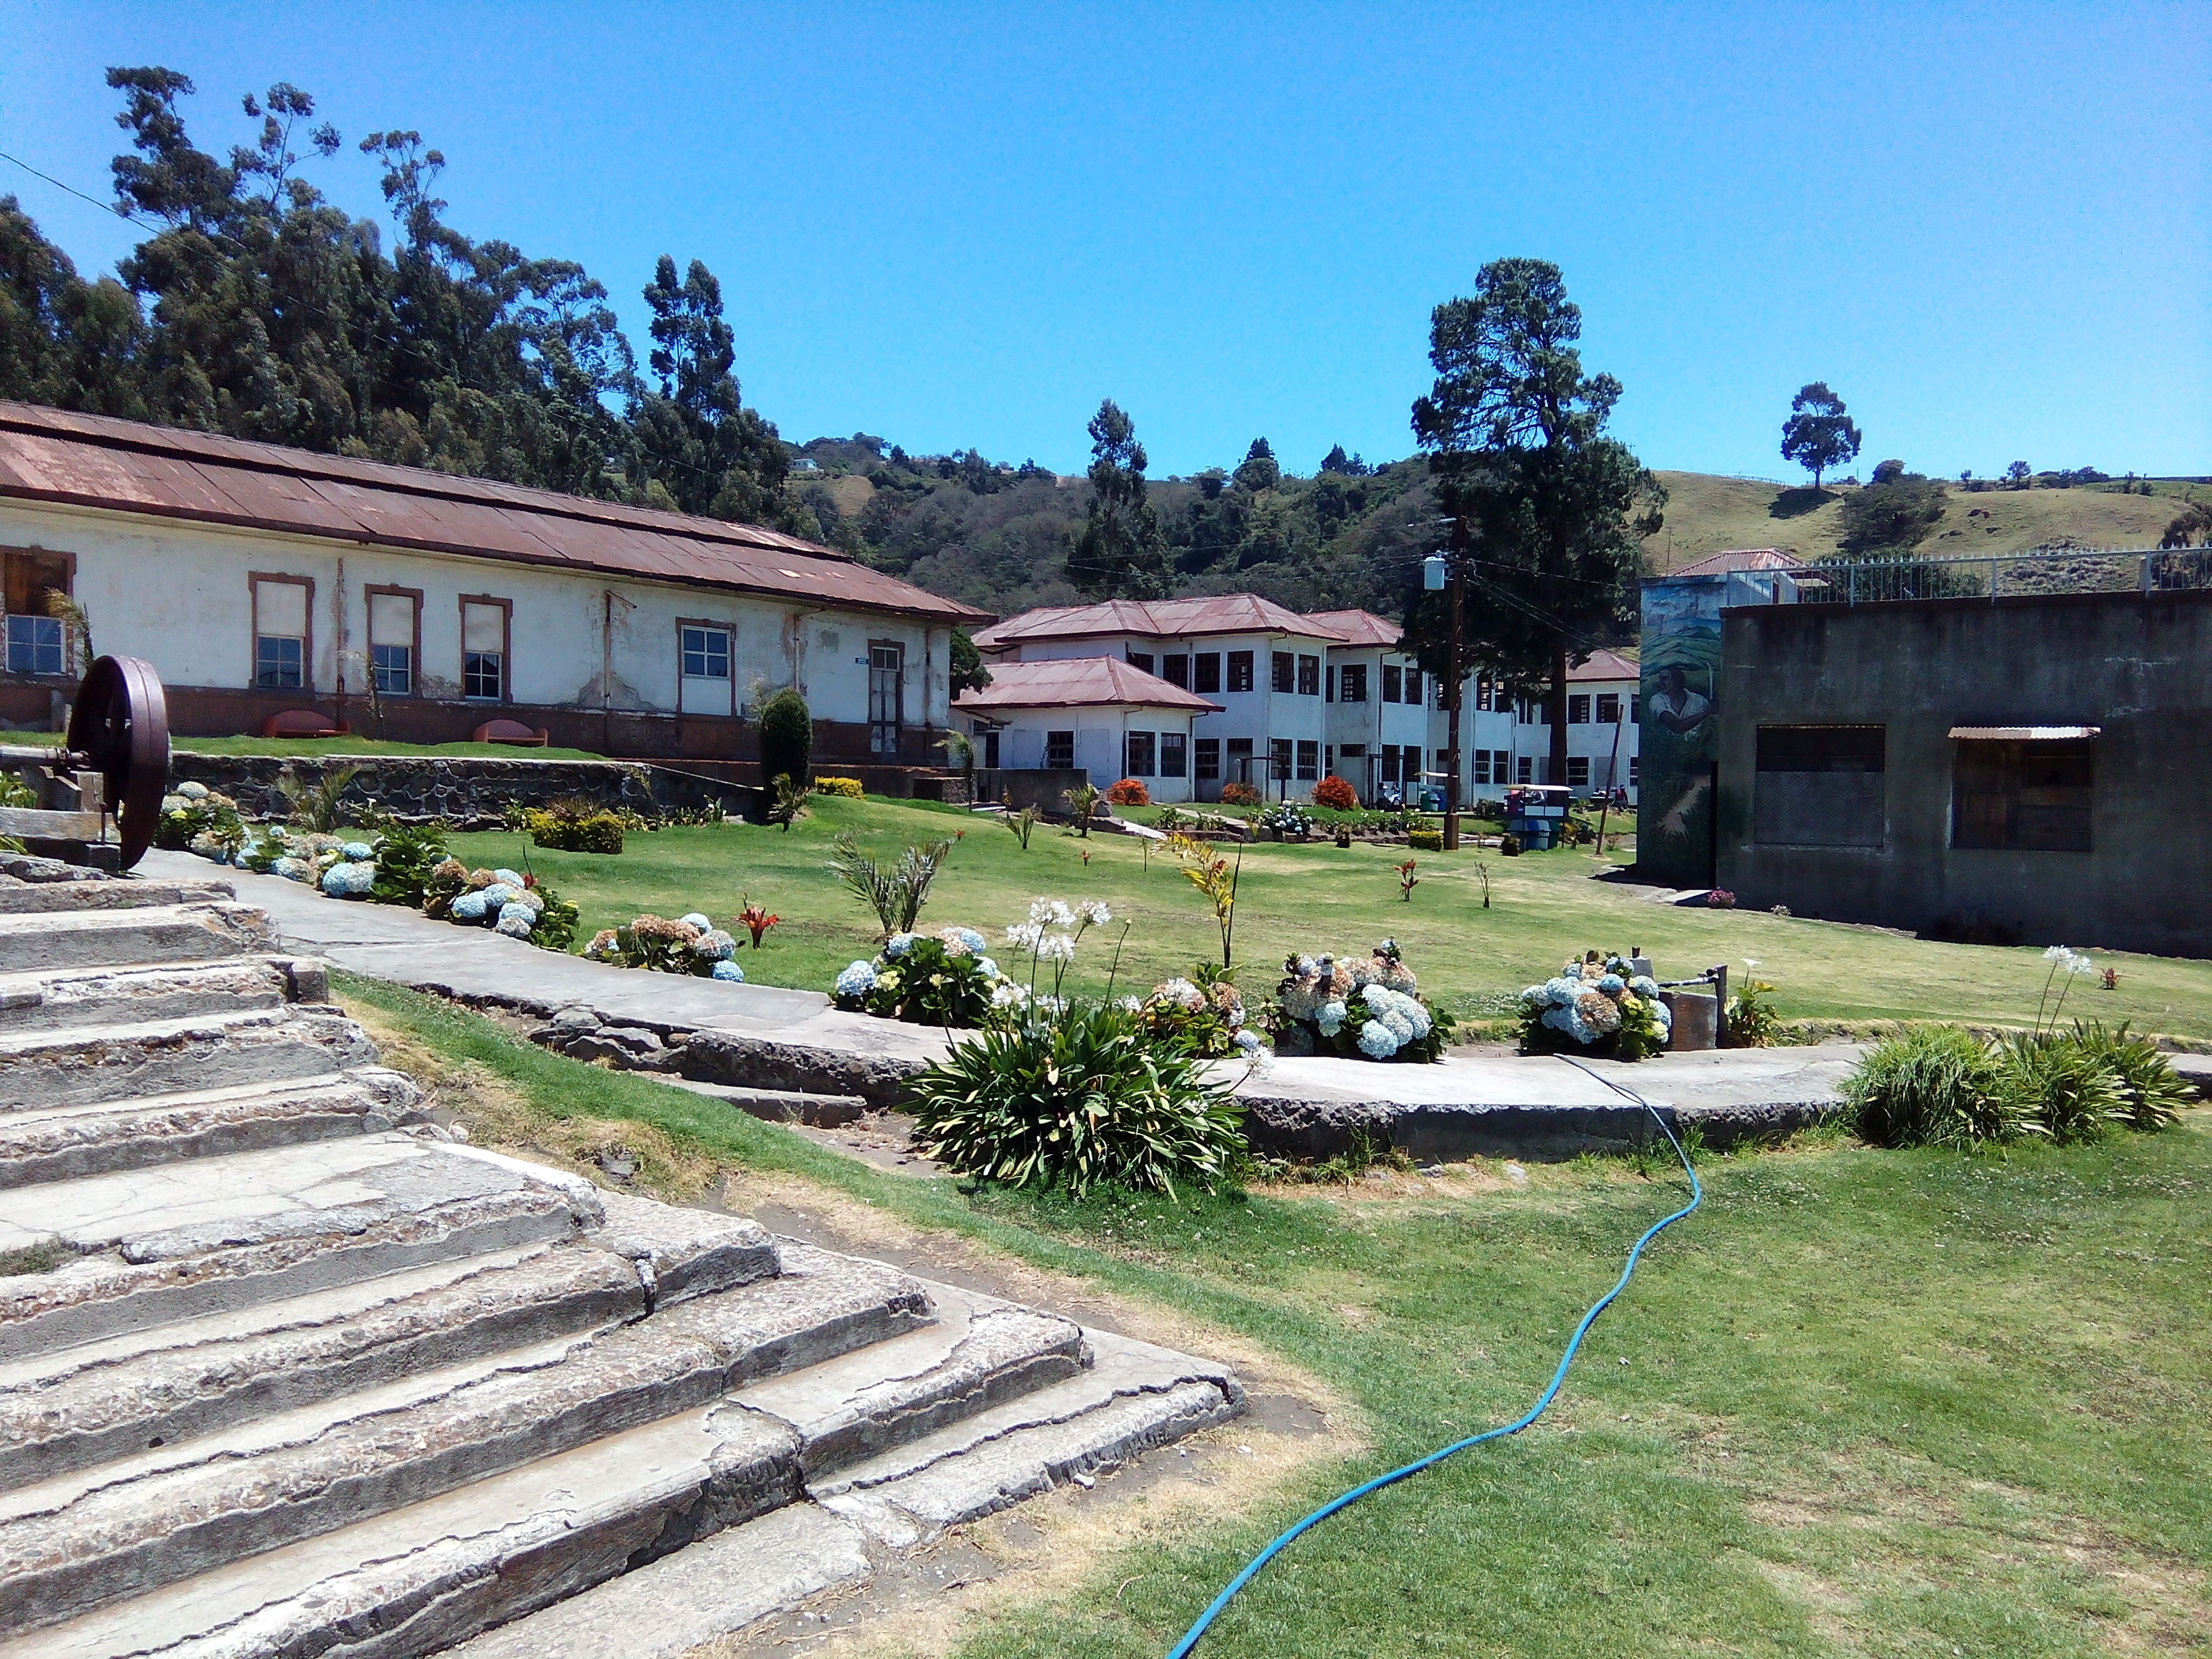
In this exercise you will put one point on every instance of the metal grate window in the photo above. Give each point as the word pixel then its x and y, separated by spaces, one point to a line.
pixel 1059 750
pixel 1819 786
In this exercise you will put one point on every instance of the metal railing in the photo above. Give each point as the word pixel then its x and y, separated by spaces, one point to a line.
pixel 1875 579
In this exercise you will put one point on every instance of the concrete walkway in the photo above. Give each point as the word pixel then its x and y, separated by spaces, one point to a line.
pixel 768 1036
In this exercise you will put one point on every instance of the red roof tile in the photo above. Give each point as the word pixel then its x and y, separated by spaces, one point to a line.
pixel 90 460
pixel 1078 683
pixel 1359 627
pixel 1225 613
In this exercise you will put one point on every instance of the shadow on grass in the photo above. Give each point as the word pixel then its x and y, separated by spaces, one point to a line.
pixel 1796 503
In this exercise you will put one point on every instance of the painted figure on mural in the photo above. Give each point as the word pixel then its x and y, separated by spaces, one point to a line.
pixel 1676 707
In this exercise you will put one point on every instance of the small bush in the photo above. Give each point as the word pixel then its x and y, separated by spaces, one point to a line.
pixel 1083 803
pixel 2152 1093
pixel 2058 1086
pixel 787 738
pixel 843 788
pixel 1753 1019
pixel 1934 1086
pixel 405 855
pixel 1336 794
pixel 894 892
pixel 1084 1099
pixel 576 827
pixel 1129 792
pixel 787 801
pixel 1239 794
pixel 1425 841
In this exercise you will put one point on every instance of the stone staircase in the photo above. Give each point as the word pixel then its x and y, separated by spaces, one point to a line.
pixel 286 1370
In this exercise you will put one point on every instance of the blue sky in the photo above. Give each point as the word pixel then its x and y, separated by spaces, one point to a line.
pixel 1990 230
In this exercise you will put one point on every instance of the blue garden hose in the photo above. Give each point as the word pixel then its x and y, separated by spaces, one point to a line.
pixel 1183 1648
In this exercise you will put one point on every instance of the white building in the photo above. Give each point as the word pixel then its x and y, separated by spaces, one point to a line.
pixel 1378 700
pixel 1259 665
pixel 1100 715
pixel 413 605
pixel 1508 741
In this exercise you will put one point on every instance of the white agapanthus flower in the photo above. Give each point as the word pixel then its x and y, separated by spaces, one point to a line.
pixel 1007 994
pixel 1095 912
pixel 1051 913
pixel 1024 935
pixel 1056 947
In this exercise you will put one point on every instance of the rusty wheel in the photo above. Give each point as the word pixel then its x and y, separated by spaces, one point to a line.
pixel 121 725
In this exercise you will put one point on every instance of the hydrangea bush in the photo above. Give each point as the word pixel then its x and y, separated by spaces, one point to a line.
pixel 1287 821
pixel 1203 1015
pixel 511 905
pixel 945 978
pixel 196 818
pixel 690 944
pixel 1596 1007
pixel 1368 1006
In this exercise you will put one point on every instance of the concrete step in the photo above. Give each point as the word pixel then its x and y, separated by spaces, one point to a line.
pixel 76 1542
pixel 716 1587
pixel 67 1142
pixel 980 1353
pixel 58 998
pixel 105 937
pixel 1133 1397
pixel 126 893
pixel 81 1407
pixel 93 1064
pixel 218 1235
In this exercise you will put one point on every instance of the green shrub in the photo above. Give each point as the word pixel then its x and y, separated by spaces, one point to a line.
pixel 1081 1099
pixel 1752 1020
pixel 788 802
pixel 2152 1093
pixel 2059 1087
pixel 1425 841
pixel 1934 1086
pixel 405 855
pixel 787 738
pixel 894 892
pixel 576 827
pixel 556 923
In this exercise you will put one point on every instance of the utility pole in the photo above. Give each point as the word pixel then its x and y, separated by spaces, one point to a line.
pixel 1457 580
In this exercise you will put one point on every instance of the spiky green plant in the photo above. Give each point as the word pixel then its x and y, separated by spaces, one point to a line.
pixel 1932 1086
pixel 1076 1100
pixel 2060 1087
pixel 2153 1095
pixel 317 806
pixel 894 892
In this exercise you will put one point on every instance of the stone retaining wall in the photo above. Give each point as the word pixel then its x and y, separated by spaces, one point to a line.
pixel 467 791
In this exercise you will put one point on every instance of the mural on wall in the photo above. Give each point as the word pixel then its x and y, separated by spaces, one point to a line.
pixel 1679 731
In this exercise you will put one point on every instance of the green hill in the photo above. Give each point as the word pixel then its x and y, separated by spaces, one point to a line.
pixel 1709 514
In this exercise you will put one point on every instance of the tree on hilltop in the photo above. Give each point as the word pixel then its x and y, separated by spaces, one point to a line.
pixel 1819 435
pixel 1118 554
pixel 1260 469
pixel 695 438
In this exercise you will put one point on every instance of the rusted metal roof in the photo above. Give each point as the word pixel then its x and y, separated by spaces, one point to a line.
pixel 1359 627
pixel 1605 665
pixel 92 461
pixel 1225 613
pixel 2018 733
pixel 1078 683
pixel 1738 558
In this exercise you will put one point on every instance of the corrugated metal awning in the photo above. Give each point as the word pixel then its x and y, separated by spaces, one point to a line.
pixel 2024 733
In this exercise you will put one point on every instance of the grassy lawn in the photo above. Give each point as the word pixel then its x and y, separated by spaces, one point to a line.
pixel 1316 898
pixel 1863 1403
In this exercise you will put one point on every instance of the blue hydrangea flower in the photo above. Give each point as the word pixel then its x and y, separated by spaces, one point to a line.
pixel 990 969
pixel 508 876
pixel 973 940
pixel 729 971
pixel 714 946
pixel 1612 984
pixel 897 946
pixel 192 791
pixel 1644 986
pixel 857 981
pixel 521 913
pixel 1377 1041
pixel 1248 1041
pixel 511 925
pixel 357 851
pixel 350 880
pixel 1330 1017
pixel 500 893
pixel 473 907
pixel 703 923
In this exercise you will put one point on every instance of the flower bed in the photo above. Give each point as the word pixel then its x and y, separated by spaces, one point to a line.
pixel 947 978
pixel 688 944
pixel 511 905
pixel 1363 1006
pixel 1594 1007
pixel 1203 1015
pixel 1287 823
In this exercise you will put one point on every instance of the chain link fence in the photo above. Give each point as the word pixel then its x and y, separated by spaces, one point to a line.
pixel 2038 571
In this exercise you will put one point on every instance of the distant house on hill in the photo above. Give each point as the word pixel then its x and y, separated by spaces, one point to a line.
pixel 417 605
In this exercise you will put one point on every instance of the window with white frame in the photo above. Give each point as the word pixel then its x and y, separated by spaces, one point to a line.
pixel 706 653
pixel 34 645
pixel 1482 766
pixel 392 631
pixel 484 651
pixel 280 634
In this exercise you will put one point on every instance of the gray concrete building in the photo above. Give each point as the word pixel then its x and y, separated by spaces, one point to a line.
pixel 2031 769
